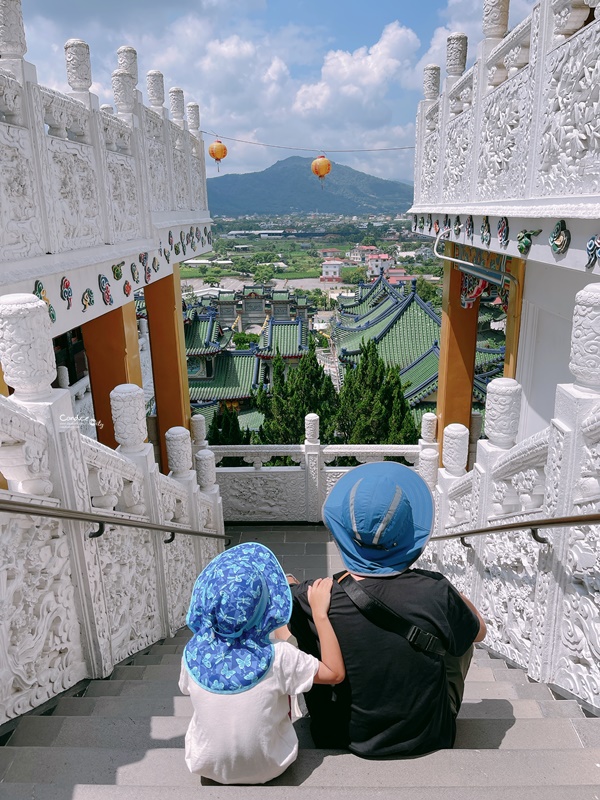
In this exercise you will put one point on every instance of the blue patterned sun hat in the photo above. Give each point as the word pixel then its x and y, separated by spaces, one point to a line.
pixel 240 598
pixel 381 516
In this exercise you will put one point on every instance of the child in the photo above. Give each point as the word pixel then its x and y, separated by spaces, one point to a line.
pixel 238 681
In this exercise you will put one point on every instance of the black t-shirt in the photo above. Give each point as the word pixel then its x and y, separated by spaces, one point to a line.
pixel 394 700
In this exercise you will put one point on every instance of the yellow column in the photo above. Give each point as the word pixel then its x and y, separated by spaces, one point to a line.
pixel 113 355
pixel 169 365
pixel 458 342
pixel 516 267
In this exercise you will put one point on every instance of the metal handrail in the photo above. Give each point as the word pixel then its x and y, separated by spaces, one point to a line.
pixel 13 506
pixel 532 525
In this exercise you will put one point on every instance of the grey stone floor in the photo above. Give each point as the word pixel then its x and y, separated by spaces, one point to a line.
pixel 307 551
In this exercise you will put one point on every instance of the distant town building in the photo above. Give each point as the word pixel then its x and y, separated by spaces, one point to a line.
pixel 331 270
pixel 377 262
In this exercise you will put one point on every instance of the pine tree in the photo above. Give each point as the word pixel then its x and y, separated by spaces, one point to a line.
pixel 373 409
pixel 304 390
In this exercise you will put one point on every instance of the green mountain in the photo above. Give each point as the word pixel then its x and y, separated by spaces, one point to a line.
pixel 289 186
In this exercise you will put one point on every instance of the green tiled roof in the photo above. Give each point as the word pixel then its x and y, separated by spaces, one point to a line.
pixel 259 291
pixel 287 337
pixel 203 335
pixel 281 295
pixel 226 297
pixel 208 411
pixel 251 419
pixel 402 335
pixel 233 378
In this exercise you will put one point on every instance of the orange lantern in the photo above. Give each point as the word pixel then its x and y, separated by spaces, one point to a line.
pixel 218 151
pixel 321 166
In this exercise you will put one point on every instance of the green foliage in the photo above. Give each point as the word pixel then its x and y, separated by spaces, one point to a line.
pixel 305 389
pixel 354 275
pixel 427 291
pixel 263 274
pixel 225 428
pixel 372 406
pixel 242 341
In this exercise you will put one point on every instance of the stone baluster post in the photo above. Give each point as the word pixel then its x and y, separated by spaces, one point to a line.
pixel 128 409
pixel 79 66
pixel 155 86
pixel 123 84
pixel 431 92
pixel 179 454
pixel 198 430
pixel 456 54
pixel 429 455
pixel 502 412
pixel 455 450
pixel 313 469
pixel 27 357
pixel 206 473
pixel 177 104
pixel 567 597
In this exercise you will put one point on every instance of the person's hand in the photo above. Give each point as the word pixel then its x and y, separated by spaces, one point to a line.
pixel 319 596
pixel 292 580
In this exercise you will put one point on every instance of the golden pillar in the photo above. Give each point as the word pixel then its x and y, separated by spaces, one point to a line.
pixel 458 343
pixel 169 365
pixel 516 267
pixel 113 355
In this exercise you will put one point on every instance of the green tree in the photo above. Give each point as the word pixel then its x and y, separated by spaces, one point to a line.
pixel 242 340
pixel 304 390
pixel 372 406
pixel 427 291
pixel 225 429
pixel 263 274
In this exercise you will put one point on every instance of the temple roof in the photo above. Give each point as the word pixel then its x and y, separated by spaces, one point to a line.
pixel 289 338
pixel 236 374
pixel 204 335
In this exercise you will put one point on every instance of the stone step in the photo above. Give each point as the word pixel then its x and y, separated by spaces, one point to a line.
pixel 161 766
pixel 474 690
pixel 30 791
pixel 169 668
pixel 167 731
pixel 156 659
pixel 123 706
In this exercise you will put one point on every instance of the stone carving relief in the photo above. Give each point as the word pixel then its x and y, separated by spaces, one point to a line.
pixel 579 665
pixel 199 200
pixel 495 18
pixel 456 54
pixel 117 134
pixel 458 158
pixel 569 146
pixel 510 568
pixel 430 165
pixel 22 231
pixel 505 137
pixel 123 196
pixel 262 496
pixel 11 99
pixel 180 169
pixel 79 67
pixel 455 563
pixel 180 562
pixel 584 363
pixel 128 563
pixel 502 411
pixel 40 648
pixel 75 189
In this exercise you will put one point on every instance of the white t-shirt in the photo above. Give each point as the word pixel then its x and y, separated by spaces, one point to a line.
pixel 247 737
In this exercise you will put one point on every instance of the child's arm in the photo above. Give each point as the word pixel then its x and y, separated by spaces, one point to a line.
pixel 331 667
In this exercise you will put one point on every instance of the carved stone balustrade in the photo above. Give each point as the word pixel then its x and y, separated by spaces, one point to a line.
pixel 502 411
pixel 456 54
pixel 128 409
pixel 431 82
pixel 79 66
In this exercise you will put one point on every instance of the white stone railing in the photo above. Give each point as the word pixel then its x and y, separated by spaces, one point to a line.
pixel 75 606
pixel 521 127
pixel 541 601
pixel 119 191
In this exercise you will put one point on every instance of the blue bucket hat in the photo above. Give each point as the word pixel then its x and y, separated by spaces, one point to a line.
pixel 381 517
pixel 240 598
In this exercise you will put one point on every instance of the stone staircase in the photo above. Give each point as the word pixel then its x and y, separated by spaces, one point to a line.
pixel 124 738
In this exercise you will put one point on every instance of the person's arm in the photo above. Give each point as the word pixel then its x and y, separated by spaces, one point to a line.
pixel 482 626
pixel 331 666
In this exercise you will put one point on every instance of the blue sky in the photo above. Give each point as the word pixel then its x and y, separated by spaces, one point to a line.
pixel 319 74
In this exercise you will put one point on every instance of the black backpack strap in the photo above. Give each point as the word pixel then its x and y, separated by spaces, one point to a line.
pixel 383 616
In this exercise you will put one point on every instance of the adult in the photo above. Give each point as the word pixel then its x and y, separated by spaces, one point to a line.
pixel 398 699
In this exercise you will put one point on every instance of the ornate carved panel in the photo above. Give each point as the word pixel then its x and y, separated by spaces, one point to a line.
pixel 569 145
pixel 123 196
pixel 19 203
pixel 458 158
pixel 277 496
pixel 429 168
pixel 40 647
pixel 506 121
